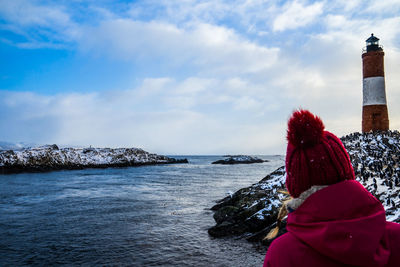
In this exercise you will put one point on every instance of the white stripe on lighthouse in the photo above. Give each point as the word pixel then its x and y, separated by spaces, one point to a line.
pixel 374 91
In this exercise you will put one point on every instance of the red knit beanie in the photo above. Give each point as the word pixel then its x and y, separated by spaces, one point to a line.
pixel 314 156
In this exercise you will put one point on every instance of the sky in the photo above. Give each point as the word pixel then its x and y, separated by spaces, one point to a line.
pixel 187 76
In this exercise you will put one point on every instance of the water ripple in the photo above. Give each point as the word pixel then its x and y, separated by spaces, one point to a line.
pixel 147 216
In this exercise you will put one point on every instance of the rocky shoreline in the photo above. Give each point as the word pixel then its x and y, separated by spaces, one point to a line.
pixel 51 158
pixel 251 212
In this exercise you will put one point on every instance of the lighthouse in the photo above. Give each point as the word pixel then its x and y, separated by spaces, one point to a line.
pixel 375 113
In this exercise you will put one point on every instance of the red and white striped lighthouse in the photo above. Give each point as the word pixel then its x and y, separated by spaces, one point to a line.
pixel 375 113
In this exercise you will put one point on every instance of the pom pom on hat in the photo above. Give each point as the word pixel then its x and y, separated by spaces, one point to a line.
pixel 305 129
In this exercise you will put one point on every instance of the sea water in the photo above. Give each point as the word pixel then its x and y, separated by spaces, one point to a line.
pixel 139 216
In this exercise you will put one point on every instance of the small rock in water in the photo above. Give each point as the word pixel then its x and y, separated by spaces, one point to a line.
pixel 239 159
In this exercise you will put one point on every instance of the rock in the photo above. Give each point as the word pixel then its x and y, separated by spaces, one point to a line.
pixel 225 213
pixel 54 146
pixel 252 211
pixel 227 229
pixel 239 159
pixel 173 160
pixel 249 209
pixel 51 157
pixel 260 236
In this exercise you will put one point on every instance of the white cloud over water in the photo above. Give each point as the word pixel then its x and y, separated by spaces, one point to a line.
pixel 133 118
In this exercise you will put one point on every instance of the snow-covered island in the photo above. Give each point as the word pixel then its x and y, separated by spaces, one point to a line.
pixel 50 157
pixel 251 212
pixel 239 159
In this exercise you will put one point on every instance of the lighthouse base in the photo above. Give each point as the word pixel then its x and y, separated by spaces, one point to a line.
pixel 375 118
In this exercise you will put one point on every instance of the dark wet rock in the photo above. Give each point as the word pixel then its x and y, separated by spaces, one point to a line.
pixel 251 212
pixel 239 159
pixel 260 235
pixel 225 213
pixel 249 209
pixel 227 228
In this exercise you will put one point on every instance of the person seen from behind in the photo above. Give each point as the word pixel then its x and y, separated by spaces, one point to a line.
pixel 333 220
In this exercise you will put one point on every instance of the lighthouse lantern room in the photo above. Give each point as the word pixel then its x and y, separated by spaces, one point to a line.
pixel 373 43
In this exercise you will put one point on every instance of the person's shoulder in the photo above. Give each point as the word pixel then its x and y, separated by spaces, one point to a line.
pixel 279 250
pixel 393 229
pixel 282 242
pixel 393 225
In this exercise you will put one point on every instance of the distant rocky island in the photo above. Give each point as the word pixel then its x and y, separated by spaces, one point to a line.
pixel 51 157
pixel 239 159
pixel 251 212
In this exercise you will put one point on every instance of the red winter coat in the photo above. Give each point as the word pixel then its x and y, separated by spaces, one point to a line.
pixel 340 225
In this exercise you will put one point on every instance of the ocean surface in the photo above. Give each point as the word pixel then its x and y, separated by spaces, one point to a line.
pixel 138 216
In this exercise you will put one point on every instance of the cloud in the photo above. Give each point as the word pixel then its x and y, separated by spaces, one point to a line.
pixel 296 15
pixel 383 7
pixel 40 25
pixel 209 48
pixel 25 13
pixel 25 117
pixel 163 115
pixel 247 13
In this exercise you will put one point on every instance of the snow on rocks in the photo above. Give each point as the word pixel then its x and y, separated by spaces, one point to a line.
pixel 376 162
pixel 50 157
pixel 239 159
pixel 251 212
